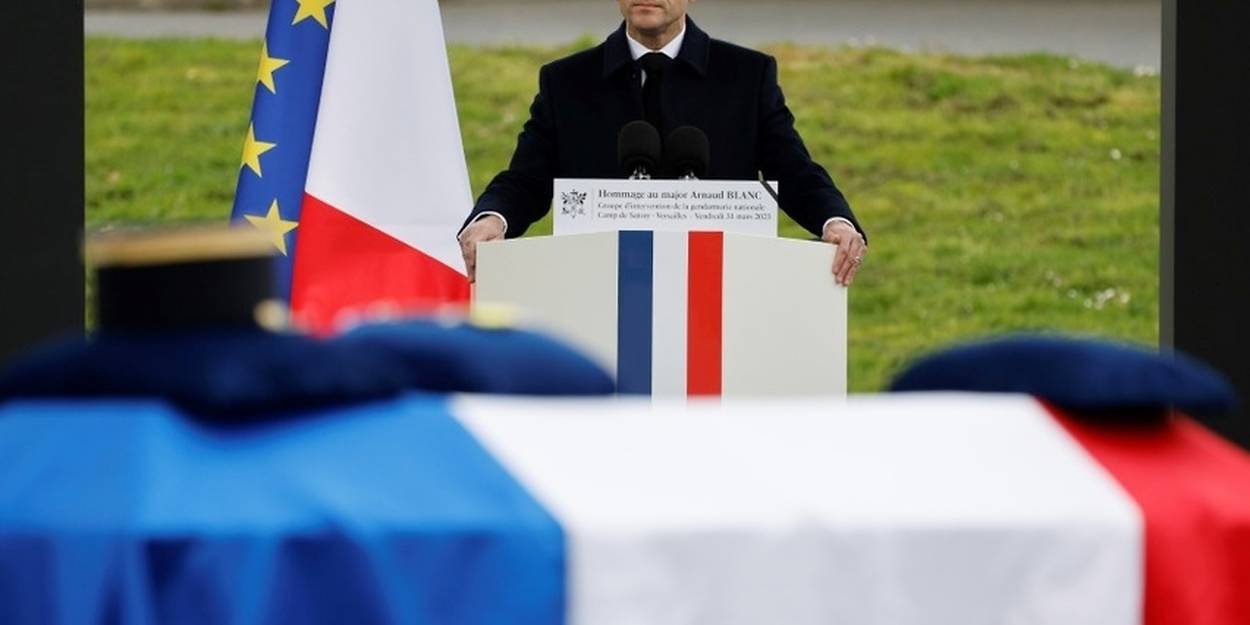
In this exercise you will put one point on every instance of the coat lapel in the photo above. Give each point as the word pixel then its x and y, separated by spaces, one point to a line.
pixel 684 99
pixel 684 95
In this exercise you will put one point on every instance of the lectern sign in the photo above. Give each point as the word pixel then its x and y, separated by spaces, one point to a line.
pixel 584 205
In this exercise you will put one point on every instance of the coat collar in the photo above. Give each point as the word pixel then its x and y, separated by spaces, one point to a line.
pixel 694 50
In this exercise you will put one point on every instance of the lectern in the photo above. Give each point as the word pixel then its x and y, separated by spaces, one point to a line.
pixel 676 313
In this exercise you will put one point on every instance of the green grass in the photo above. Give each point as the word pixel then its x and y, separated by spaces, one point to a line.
pixel 999 194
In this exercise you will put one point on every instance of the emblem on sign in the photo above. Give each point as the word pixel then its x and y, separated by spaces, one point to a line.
pixel 573 203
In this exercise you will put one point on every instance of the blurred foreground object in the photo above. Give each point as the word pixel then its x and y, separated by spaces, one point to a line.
pixel 1081 375
pixel 155 280
pixel 116 506
pixel 231 376
pixel 1128 408
pixel 901 509
pixel 189 317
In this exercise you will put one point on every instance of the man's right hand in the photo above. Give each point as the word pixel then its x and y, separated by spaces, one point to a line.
pixel 486 228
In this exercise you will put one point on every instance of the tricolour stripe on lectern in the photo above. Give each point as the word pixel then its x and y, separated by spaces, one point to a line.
pixel 670 323
pixel 634 314
pixel 704 321
pixel 668 332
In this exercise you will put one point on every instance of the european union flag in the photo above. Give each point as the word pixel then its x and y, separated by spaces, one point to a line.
pixel 274 169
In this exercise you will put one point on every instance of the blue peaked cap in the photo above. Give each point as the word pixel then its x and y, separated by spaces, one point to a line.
pixel 229 376
pixel 1082 375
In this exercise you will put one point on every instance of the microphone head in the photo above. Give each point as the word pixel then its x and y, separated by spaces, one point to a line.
pixel 687 152
pixel 638 146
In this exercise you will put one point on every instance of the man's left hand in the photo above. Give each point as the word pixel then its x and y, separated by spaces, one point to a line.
pixel 851 250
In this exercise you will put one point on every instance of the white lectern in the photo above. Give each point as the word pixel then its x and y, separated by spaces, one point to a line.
pixel 682 313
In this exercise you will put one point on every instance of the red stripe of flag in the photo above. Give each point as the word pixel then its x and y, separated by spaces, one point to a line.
pixel 345 265
pixel 1190 487
pixel 705 291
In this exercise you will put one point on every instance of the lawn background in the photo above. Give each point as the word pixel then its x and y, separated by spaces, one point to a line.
pixel 999 194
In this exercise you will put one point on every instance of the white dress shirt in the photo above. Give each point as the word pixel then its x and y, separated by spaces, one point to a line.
pixel 636 50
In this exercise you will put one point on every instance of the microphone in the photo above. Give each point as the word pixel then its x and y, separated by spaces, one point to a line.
pixel 687 153
pixel 638 150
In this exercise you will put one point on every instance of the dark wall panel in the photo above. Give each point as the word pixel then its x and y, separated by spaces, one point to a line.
pixel 41 169
pixel 1205 220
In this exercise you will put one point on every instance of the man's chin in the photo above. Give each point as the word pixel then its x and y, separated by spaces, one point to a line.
pixel 648 26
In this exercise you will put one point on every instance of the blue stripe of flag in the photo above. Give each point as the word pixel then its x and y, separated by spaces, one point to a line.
pixel 422 526
pixel 635 292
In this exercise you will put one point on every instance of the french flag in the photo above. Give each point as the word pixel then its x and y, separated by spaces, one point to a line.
pixel 353 162
pixel 904 509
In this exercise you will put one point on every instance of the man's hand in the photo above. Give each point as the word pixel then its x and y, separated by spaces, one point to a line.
pixel 487 228
pixel 851 250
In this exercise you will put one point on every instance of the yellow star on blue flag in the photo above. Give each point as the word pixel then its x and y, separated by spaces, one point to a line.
pixel 315 9
pixel 273 225
pixel 269 65
pixel 278 145
pixel 252 149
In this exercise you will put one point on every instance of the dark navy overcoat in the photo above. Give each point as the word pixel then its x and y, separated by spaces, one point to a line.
pixel 728 91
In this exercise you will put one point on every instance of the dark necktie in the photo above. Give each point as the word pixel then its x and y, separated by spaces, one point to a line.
pixel 655 64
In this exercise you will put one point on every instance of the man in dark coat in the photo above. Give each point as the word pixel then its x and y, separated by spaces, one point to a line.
pixel 729 92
